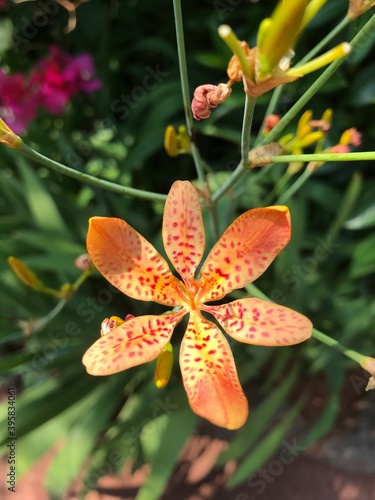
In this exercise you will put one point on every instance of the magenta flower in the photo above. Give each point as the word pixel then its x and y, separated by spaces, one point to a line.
pixel 18 103
pixel 59 77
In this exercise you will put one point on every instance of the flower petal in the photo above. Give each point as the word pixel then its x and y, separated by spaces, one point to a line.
pixel 135 342
pixel 210 376
pixel 183 230
pixel 245 250
pixel 128 261
pixel 256 321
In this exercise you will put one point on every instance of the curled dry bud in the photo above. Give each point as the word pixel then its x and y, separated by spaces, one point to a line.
pixel 207 97
pixel 263 154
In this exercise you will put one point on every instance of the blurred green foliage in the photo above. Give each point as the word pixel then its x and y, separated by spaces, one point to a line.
pixel 326 272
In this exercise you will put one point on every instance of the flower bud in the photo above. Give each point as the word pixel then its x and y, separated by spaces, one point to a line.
pixel 163 368
pixel 25 274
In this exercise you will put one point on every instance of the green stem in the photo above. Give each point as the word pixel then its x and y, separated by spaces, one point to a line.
pixel 325 339
pixel 319 82
pixel 294 187
pixel 185 89
pixel 245 148
pixel 281 183
pixel 323 157
pixel 89 179
pixel 83 277
pixel 331 35
pixel 276 94
pixel 246 129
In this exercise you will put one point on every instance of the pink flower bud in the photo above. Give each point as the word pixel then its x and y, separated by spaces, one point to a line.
pixel 207 97
pixel 270 122
pixel 83 262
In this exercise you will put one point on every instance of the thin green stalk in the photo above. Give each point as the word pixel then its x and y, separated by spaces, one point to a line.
pixel 89 179
pixel 82 278
pixel 245 148
pixel 246 129
pixel 306 174
pixel 319 82
pixel 331 35
pixel 325 339
pixel 323 157
pixel 185 88
pixel 276 94
pixel 278 188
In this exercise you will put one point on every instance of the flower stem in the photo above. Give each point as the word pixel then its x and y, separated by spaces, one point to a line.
pixel 246 129
pixel 325 339
pixel 245 148
pixel 89 179
pixel 270 109
pixel 294 187
pixel 185 89
pixel 323 157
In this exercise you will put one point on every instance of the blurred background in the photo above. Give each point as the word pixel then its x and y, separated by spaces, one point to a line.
pixel 95 87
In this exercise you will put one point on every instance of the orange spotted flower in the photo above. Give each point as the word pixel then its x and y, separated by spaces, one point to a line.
pixel 245 250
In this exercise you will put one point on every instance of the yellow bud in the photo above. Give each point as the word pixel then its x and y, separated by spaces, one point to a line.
pixel 170 141
pixel 311 10
pixel 303 127
pixel 341 50
pixel 163 368
pixel 8 137
pixel 286 21
pixel 176 143
pixel 25 274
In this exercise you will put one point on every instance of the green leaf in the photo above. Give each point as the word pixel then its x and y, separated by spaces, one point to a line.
pixel 266 447
pixel 39 404
pixel 162 440
pixel 364 258
pixel 45 212
pixel 82 437
pixel 362 89
pixel 363 220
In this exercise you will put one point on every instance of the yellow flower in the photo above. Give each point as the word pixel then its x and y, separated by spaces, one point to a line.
pixel 266 66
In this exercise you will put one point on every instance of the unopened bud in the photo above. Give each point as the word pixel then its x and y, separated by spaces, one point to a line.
pixel 164 365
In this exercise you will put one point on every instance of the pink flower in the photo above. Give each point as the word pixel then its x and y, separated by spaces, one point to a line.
pixel 59 77
pixel 18 102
